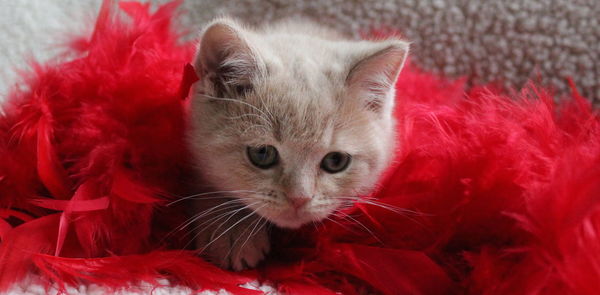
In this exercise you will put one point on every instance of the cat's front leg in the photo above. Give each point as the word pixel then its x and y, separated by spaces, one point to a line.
pixel 236 241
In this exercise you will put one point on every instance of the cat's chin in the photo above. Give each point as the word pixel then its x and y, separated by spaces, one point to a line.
pixel 293 220
pixel 291 224
pixel 287 219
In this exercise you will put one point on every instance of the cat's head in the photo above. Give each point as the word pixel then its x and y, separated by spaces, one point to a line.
pixel 300 123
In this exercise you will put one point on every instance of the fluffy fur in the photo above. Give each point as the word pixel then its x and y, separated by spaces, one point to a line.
pixel 498 189
pixel 305 91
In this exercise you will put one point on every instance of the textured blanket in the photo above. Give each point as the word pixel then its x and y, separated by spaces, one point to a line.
pixel 508 42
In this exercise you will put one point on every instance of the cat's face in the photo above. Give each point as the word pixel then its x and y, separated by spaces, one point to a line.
pixel 295 132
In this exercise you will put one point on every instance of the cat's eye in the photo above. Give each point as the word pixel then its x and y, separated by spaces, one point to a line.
pixel 335 162
pixel 263 157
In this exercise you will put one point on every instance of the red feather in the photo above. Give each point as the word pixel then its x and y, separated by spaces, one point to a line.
pixel 51 173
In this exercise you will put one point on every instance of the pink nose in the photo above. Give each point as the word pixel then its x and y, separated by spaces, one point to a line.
pixel 299 201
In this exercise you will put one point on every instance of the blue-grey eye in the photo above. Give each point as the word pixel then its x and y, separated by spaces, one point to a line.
pixel 335 162
pixel 263 157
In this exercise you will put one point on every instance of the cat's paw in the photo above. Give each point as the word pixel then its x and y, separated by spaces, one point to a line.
pixel 243 246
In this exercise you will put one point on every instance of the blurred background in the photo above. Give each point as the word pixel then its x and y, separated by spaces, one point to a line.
pixel 507 41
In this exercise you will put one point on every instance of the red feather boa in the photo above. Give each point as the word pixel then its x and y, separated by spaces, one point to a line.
pixel 502 191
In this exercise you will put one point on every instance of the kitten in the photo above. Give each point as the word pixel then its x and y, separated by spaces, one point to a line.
pixel 289 122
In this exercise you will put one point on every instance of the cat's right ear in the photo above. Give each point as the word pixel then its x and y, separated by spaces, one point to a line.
pixel 374 76
pixel 225 60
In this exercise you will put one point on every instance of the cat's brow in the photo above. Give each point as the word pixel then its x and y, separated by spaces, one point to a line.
pixel 266 117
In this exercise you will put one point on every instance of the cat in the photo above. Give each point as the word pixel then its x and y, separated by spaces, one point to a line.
pixel 289 123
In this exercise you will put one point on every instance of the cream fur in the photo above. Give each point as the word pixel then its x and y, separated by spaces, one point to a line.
pixel 306 91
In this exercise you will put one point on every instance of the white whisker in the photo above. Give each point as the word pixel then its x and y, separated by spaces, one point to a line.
pixel 409 214
pixel 355 221
pixel 210 193
pixel 250 235
pixel 228 229
pixel 382 205
pixel 237 101
pixel 211 210
pixel 213 218
pixel 231 216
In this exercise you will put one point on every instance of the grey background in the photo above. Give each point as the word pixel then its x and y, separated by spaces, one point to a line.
pixel 508 41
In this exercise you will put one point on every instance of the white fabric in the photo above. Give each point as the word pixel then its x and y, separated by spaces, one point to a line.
pixel 31 286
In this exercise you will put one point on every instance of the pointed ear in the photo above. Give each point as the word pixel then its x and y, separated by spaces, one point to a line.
pixel 373 77
pixel 225 61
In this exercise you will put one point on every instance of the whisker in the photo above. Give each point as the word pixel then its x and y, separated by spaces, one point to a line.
pixel 269 124
pixel 340 224
pixel 355 221
pixel 201 214
pixel 257 221
pixel 228 229
pixel 214 219
pixel 229 215
pixel 210 193
pixel 237 101
pixel 410 214
pixel 388 207
pixel 213 209
pixel 314 224
pixel 210 222
pixel 265 129
pixel 401 211
pixel 239 236
pixel 237 211
pixel 320 223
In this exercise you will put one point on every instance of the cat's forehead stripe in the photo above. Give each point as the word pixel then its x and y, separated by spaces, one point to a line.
pixel 308 124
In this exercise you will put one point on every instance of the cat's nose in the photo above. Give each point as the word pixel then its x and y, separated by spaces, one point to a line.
pixel 298 202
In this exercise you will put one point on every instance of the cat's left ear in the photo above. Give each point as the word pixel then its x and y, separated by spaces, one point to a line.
pixel 373 77
pixel 225 61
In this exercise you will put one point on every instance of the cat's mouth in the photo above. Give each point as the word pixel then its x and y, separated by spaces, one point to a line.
pixel 292 218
